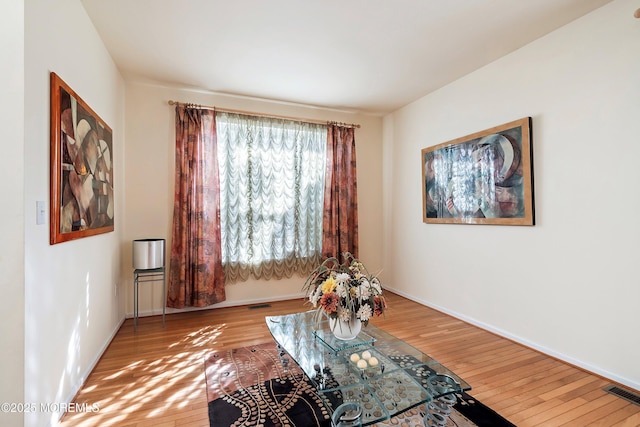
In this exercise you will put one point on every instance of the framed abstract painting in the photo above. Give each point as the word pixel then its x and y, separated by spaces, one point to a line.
pixel 482 178
pixel 81 183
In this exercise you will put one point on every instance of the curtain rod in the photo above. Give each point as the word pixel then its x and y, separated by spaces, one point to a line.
pixel 250 113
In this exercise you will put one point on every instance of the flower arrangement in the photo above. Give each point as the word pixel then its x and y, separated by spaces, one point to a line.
pixel 343 290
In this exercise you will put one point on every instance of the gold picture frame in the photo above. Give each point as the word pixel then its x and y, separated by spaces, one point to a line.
pixel 482 178
pixel 81 170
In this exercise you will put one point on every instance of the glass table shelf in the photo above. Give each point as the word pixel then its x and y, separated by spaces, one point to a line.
pixel 336 344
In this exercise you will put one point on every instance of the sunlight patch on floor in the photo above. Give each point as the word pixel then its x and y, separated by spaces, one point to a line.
pixel 160 378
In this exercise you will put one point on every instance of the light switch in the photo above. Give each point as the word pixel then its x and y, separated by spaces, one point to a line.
pixel 41 213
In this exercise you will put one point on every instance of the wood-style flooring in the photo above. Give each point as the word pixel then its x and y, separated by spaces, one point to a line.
pixel 155 376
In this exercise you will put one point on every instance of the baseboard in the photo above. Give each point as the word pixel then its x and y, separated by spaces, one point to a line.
pixel 223 304
pixel 525 342
pixel 85 375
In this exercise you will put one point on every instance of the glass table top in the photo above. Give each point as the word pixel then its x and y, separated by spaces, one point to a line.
pixel 395 377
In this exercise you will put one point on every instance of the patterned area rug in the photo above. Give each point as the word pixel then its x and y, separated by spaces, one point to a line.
pixel 249 386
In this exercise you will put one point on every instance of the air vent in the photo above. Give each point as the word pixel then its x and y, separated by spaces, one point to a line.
pixel 253 307
pixel 625 394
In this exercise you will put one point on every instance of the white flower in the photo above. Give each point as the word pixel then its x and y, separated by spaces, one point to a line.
pixel 315 295
pixel 364 312
pixel 364 290
pixel 344 314
pixel 343 278
pixel 375 284
pixel 341 290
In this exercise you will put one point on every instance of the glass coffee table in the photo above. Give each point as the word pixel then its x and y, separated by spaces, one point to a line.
pixel 393 378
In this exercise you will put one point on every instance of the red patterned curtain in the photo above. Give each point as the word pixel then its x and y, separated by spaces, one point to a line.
pixel 340 222
pixel 196 276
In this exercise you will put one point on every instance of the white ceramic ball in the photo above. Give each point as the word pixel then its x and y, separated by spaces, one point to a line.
pixel 366 354
pixel 355 357
pixel 362 364
pixel 373 361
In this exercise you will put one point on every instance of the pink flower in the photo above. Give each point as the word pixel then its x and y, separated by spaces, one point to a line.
pixel 329 302
pixel 379 305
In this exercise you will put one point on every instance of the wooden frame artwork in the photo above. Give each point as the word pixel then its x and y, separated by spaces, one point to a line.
pixel 81 198
pixel 483 178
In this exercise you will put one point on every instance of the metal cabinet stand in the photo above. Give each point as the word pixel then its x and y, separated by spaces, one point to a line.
pixel 148 275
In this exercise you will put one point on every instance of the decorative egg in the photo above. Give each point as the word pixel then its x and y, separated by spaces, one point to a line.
pixel 366 354
pixel 355 357
pixel 362 364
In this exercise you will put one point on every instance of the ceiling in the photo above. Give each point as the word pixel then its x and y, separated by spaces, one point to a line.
pixel 368 56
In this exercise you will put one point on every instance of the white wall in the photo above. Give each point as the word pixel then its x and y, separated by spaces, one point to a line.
pixel 11 214
pixel 150 167
pixel 72 299
pixel 569 285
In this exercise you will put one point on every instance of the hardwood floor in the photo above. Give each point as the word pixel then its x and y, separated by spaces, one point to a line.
pixel 155 377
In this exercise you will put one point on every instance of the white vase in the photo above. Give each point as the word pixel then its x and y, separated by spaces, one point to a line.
pixel 345 330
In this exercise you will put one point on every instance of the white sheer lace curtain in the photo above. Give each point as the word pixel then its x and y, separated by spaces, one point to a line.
pixel 271 195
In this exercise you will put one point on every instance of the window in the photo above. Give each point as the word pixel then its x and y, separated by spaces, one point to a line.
pixel 271 195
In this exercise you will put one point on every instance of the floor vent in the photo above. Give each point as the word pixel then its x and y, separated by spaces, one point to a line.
pixel 625 394
pixel 253 307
